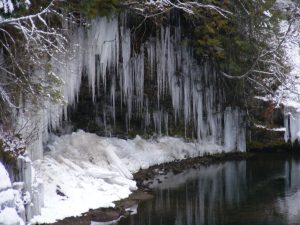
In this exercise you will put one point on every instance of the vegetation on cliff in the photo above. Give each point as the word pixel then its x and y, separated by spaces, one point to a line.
pixel 242 38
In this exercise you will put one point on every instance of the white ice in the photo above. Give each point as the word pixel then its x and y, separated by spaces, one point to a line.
pixel 8 213
pixel 89 171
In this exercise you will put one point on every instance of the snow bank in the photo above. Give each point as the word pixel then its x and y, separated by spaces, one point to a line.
pixel 8 213
pixel 5 181
pixel 9 216
pixel 83 171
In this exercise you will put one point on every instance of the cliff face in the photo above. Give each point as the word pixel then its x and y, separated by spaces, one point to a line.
pixel 152 83
pixel 169 74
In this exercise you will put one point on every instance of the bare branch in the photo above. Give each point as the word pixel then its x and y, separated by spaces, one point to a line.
pixel 154 8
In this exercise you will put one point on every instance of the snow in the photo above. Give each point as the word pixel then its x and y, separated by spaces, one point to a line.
pixel 12 144
pixel 277 129
pixel 288 94
pixel 83 171
pixel 8 6
pixel 71 167
pixel 5 181
pixel 9 216
pixel 267 13
pixel 8 198
pixel 96 52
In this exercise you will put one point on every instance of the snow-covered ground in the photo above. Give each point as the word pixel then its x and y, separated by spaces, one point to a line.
pixel 83 171
pixel 8 200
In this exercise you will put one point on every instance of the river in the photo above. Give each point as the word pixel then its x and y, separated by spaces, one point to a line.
pixel 264 191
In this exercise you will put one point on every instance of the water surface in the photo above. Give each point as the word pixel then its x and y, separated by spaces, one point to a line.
pixel 264 191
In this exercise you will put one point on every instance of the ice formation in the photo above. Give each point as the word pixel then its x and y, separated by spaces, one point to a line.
pixel 27 190
pixel 9 199
pixel 115 69
pixel 7 6
pixel 79 166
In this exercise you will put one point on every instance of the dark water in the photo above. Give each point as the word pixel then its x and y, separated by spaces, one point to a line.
pixel 256 192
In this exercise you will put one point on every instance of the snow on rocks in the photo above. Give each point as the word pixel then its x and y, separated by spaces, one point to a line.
pixel 83 171
pixel 9 200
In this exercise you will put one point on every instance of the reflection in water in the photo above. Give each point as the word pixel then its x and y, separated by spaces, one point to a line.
pixel 256 192
pixel 218 186
pixel 290 203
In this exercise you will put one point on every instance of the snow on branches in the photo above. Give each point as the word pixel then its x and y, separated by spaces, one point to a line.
pixel 150 8
pixel 25 43
pixel 12 144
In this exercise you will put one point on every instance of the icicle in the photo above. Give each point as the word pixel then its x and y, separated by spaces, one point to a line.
pixel 113 98
pixel 292 124
pixel 191 87
pixel 101 51
pixel 138 77
pixel 147 114
pixel 127 78
pixel 166 122
pixel 234 130
pixel 151 56
pixel 157 119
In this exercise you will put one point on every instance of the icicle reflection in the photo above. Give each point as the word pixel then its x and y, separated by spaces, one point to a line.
pixel 256 192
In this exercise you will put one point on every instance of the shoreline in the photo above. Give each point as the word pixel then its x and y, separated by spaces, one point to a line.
pixel 143 193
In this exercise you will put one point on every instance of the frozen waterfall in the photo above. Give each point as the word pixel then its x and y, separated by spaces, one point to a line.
pixel 157 82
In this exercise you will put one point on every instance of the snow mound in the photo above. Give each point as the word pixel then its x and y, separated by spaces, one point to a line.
pixel 8 213
pixel 5 181
pixel 83 171
pixel 9 216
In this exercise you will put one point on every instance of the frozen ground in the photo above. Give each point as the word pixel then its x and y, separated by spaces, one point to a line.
pixel 83 171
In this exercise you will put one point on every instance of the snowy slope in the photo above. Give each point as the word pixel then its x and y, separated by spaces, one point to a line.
pixel 8 213
pixel 83 171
